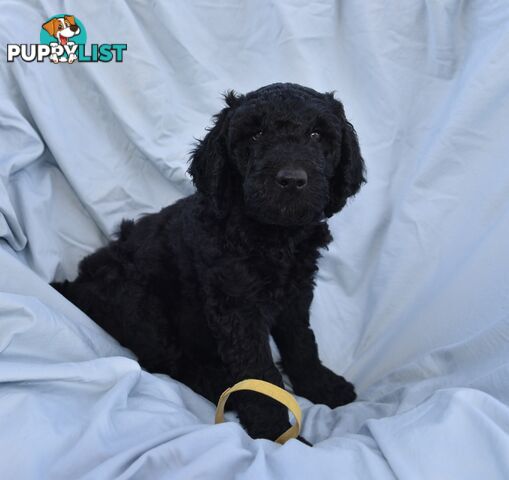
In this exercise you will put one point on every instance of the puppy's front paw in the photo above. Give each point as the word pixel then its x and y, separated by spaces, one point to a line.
pixel 268 430
pixel 262 417
pixel 325 387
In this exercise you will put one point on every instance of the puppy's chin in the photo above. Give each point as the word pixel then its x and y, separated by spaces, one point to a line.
pixel 283 215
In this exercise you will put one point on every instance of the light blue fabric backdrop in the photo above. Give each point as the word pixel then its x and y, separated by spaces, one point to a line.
pixel 412 299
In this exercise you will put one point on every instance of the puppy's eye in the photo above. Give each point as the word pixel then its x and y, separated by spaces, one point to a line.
pixel 60 27
pixel 314 135
pixel 257 135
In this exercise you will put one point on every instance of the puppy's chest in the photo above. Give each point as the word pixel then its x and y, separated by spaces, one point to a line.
pixel 280 275
pixel 277 267
pixel 263 279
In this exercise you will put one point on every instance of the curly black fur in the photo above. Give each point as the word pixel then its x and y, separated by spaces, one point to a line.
pixel 196 289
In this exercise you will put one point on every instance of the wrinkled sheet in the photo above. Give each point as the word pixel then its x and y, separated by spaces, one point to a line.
pixel 412 298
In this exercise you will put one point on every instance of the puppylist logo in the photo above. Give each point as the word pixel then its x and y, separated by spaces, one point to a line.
pixel 62 40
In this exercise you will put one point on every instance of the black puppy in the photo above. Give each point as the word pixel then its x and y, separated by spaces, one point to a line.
pixel 196 289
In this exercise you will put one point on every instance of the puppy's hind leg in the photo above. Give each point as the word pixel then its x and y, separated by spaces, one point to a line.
pixel 134 317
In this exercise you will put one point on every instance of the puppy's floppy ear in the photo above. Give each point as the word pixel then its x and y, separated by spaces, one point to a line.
pixel 70 19
pixel 210 168
pixel 50 26
pixel 349 169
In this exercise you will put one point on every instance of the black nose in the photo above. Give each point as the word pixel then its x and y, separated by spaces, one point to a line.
pixel 73 28
pixel 292 178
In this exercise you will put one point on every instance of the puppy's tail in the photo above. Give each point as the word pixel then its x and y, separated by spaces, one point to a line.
pixel 125 229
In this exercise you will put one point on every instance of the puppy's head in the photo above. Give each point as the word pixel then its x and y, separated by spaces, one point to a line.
pixel 62 28
pixel 285 153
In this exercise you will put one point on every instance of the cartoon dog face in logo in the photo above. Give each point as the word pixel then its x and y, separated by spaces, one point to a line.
pixel 62 29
